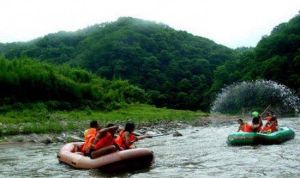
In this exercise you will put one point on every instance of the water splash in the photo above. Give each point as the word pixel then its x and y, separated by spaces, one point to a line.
pixel 256 95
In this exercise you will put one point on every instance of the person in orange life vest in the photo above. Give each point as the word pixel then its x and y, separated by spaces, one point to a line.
pixel 255 126
pixel 126 137
pixel 271 125
pixel 89 136
pixel 248 127
pixel 242 125
pixel 104 142
pixel 269 116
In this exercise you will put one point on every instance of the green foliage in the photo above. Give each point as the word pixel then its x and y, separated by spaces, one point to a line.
pixel 28 81
pixel 276 57
pixel 152 56
pixel 175 68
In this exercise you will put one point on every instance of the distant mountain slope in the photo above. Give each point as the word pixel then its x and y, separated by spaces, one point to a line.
pixel 174 67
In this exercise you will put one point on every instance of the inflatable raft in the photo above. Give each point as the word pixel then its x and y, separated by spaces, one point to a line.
pixel 131 159
pixel 252 138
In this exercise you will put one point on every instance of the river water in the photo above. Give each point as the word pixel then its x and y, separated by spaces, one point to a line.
pixel 200 152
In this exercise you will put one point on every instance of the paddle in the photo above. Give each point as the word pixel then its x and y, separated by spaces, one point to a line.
pixel 265 110
pixel 159 135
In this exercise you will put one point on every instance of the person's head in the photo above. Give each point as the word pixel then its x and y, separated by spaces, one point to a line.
pixel 240 121
pixel 255 120
pixel 255 114
pixel 269 113
pixel 94 124
pixel 129 127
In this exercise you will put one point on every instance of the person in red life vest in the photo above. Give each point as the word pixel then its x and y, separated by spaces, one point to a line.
pixel 248 127
pixel 271 125
pixel 242 125
pixel 126 137
pixel 104 142
pixel 255 126
pixel 269 116
pixel 89 137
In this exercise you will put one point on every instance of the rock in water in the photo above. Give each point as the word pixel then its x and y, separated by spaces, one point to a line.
pixel 177 134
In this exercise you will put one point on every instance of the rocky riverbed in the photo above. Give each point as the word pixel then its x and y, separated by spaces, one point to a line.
pixel 157 129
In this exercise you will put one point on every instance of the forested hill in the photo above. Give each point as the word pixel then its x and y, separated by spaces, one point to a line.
pixel 174 67
pixel 276 57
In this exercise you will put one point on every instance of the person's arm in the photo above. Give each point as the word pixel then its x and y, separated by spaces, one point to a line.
pixel 129 141
pixel 103 132
pixel 143 136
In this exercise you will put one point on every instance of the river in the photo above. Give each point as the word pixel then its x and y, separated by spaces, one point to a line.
pixel 200 152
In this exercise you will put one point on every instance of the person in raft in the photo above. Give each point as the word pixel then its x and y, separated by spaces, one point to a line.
pixel 271 124
pixel 242 125
pixel 89 136
pixel 256 124
pixel 98 141
pixel 269 115
pixel 256 114
pixel 126 137
pixel 104 142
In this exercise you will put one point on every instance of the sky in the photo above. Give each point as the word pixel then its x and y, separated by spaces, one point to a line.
pixel 233 23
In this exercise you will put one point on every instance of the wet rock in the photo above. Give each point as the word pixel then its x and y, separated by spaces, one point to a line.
pixel 138 133
pixel 161 129
pixel 177 134
pixel 47 140
pixel 34 138
pixel 151 133
pixel 59 139
pixel 142 131
pixel 19 138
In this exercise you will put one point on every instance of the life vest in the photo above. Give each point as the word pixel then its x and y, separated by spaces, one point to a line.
pixel 268 118
pixel 242 127
pixel 271 126
pixel 120 140
pixel 105 141
pixel 89 137
pixel 248 127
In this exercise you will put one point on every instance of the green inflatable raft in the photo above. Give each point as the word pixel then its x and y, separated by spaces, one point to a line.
pixel 253 138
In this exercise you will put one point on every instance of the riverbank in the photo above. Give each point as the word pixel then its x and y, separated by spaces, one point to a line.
pixel 46 126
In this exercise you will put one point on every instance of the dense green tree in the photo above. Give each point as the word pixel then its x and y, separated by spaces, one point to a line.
pixel 25 80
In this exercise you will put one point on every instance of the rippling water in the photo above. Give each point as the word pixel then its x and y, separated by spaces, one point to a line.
pixel 200 152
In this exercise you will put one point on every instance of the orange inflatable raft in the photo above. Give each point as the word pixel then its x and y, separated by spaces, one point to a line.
pixel 131 159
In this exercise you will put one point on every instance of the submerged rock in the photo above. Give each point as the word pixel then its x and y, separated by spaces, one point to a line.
pixel 47 140
pixel 177 134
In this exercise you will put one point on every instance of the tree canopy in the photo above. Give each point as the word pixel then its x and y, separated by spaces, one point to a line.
pixel 174 68
pixel 28 81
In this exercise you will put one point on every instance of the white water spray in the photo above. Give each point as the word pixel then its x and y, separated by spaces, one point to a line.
pixel 256 95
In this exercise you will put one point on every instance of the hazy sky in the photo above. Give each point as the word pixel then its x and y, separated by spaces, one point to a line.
pixel 233 23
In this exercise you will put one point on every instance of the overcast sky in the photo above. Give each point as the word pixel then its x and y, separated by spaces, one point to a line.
pixel 233 23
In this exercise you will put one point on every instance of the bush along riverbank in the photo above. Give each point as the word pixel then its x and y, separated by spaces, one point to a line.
pixel 41 125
